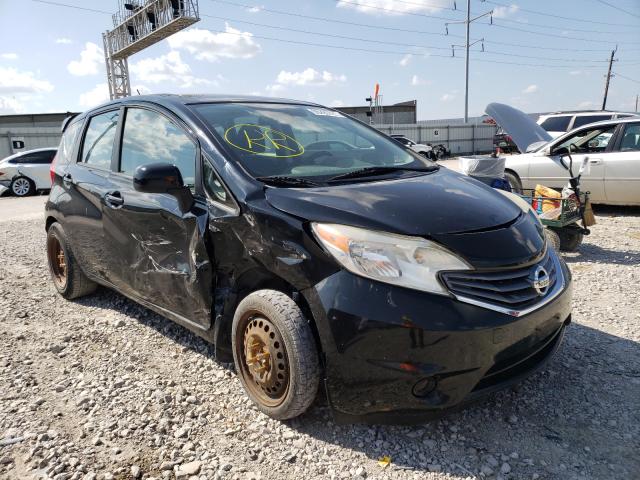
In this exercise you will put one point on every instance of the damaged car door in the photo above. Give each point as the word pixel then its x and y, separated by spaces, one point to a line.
pixel 158 245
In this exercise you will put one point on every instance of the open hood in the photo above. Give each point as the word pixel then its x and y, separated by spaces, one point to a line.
pixel 524 131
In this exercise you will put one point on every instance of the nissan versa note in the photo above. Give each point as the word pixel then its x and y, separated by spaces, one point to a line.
pixel 403 288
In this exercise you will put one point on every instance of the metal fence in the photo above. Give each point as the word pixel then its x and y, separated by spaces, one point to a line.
pixel 459 139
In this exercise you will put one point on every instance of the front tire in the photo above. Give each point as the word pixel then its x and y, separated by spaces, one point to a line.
pixel 22 187
pixel 514 182
pixel 570 238
pixel 67 276
pixel 275 354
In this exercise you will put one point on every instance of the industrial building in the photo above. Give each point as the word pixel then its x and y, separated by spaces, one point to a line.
pixel 403 112
pixel 28 131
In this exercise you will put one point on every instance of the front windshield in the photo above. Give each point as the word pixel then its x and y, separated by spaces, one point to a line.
pixel 301 140
pixel 592 140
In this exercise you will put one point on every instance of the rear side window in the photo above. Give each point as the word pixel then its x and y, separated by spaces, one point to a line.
pixel 586 119
pixel 150 137
pixel 36 158
pixel 97 147
pixel 556 124
pixel 65 149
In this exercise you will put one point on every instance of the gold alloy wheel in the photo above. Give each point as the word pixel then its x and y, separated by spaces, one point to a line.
pixel 264 366
pixel 57 261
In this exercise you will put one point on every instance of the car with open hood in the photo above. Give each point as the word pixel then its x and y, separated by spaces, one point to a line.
pixel 611 149
pixel 400 288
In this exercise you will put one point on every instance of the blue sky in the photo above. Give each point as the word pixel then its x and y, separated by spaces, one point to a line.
pixel 51 56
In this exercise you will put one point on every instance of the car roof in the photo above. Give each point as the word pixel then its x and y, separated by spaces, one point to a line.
pixel 19 154
pixel 169 100
pixel 584 112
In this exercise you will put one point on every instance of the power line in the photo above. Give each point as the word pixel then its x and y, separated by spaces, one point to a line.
pixel 398 29
pixel 57 4
pixel 564 37
pixel 618 8
pixel 547 14
pixel 391 10
pixel 330 35
pixel 626 78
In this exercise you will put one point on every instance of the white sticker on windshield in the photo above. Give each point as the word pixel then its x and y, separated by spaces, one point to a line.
pixel 324 112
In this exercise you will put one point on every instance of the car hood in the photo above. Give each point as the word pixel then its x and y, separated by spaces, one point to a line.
pixel 440 202
pixel 523 130
pixel 468 217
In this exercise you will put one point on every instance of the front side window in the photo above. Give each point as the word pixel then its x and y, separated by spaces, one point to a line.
pixel 556 124
pixel 150 137
pixel 97 147
pixel 590 140
pixel 631 138
pixel 214 187
pixel 299 140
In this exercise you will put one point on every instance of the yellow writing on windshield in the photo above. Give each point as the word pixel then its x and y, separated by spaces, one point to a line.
pixel 262 140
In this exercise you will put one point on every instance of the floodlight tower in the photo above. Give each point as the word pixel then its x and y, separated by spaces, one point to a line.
pixel 138 24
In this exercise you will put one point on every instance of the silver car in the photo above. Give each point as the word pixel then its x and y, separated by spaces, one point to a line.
pixel 27 172
pixel 611 147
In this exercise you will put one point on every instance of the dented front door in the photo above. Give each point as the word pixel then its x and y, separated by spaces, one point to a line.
pixel 160 254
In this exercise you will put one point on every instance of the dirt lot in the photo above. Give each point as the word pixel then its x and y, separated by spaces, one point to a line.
pixel 102 388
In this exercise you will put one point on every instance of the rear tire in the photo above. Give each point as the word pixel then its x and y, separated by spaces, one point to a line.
pixel 514 182
pixel 67 276
pixel 570 238
pixel 553 238
pixel 275 354
pixel 22 187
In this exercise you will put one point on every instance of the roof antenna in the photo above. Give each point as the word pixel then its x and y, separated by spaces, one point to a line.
pixel 138 90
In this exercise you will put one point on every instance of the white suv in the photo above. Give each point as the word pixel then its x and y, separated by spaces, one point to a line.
pixel 560 122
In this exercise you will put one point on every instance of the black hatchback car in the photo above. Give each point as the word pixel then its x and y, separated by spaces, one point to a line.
pixel 403 288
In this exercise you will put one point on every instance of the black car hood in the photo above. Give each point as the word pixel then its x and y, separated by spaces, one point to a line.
pixel 425 205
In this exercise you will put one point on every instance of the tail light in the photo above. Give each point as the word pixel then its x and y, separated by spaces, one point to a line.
pixel 52 171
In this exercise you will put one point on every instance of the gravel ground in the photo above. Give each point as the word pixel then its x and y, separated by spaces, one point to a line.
pixel 102 388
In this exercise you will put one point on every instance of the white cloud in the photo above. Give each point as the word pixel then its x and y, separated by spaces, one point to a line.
pixel 97 95
pixel 505 11
pixel 404 61
pixel 447 97
pixel 416 81
pixel 167 68
pixel 310 77
pixel 255 8
pixel 586 104
pixel 10 105
pixel 64 40
pixel 9 56
pixel 336 103
pixel 530 89
pixel 575 72
pixel 91 58
pixel 207 45
pixel 13 81
pixel 395 7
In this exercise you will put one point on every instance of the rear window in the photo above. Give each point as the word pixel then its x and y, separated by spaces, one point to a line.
pixel 556 124
pixel 587 119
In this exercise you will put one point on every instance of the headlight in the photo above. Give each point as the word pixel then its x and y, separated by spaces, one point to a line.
pixel 410 262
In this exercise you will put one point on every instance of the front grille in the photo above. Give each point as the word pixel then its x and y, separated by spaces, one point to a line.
pixel 511 289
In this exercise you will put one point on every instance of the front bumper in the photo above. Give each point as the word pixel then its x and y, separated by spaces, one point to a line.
pixel 395 355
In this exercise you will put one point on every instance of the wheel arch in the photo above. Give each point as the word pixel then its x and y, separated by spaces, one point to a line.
pixel 250 281
pixel 49 221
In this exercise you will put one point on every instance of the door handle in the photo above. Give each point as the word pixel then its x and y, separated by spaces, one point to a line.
pixel 114 199
pixel 595 161
pixel 67 179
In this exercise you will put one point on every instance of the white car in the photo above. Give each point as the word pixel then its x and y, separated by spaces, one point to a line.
pixel 561 122
pixel 426 150
pixel 611 148
pixel 27 172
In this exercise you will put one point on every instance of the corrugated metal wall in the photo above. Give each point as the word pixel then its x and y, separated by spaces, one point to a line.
pixel 33 137
pixel 459 139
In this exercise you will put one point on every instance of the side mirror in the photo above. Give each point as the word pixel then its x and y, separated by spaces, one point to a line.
pixel 163 178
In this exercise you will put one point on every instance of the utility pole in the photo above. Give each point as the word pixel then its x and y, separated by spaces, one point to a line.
pixel 609 75
pixel 467 45
pixel 637 96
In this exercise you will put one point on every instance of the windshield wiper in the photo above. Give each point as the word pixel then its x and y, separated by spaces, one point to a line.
pixel 284 181
pixel 379 170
